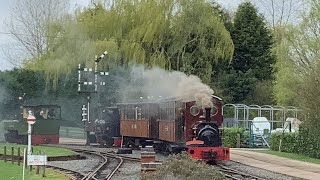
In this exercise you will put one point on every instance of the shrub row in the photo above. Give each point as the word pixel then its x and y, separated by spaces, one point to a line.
pixel 303 142
pixel 230 136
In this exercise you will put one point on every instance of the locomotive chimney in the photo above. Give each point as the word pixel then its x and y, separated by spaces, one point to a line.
pixel 208 114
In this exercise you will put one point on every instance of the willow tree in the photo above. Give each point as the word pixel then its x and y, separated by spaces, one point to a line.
pixel 181 35
pixel 185 35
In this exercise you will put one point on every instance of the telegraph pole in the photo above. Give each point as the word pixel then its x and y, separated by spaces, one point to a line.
pixel 89 90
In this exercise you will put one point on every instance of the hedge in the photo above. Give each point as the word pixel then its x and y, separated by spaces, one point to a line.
pixel 230 136
pixel 303 142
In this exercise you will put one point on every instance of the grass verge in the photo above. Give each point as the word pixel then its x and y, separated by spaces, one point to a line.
pixel 13 171
pixel 50 151
pixel 293 156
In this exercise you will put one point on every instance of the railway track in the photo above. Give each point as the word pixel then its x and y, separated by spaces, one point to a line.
pixel 106 164
pixel 112 167
pixel 237 175
pixel 73 175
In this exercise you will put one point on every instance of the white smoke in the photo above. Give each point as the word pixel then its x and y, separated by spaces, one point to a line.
pixel 155 83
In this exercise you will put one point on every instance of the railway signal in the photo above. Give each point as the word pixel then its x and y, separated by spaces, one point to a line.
pixel 84 113
pixel 87 86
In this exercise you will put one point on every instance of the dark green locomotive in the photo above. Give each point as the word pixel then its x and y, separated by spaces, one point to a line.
pixel 44 131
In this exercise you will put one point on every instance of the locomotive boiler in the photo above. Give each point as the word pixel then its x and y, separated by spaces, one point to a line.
pixel 173 125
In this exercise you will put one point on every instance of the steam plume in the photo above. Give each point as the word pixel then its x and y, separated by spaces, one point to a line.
pixel 156 82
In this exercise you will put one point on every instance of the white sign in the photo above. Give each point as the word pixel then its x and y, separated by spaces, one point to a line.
pixel 37 160
pixel 31 120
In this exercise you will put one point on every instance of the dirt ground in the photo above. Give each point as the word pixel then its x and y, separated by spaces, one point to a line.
pixel 277 164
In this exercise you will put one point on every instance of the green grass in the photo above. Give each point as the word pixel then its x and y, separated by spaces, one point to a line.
pixel 293 156
pixel 10 171
pixel 49 151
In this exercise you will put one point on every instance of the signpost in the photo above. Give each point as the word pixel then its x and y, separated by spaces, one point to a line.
pixel 37 160
pixel 31 120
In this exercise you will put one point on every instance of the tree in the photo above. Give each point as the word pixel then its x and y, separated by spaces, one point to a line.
pixel 281 12
pixel 180 35
pixel 33 26
pixel 253 43
pixel 253 59
pixel 300 53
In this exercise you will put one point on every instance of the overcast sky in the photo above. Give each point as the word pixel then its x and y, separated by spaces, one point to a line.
pixel 5 39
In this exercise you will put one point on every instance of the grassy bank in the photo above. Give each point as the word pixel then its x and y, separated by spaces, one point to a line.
pixel 50 151
pixel 13 171
pixel 293 156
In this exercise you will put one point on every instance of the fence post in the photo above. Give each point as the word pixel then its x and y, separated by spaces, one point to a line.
pixel 238 140
pixel 38 168
pixel 5 153
pixel 18 156
pixel 30 167
pixel 44 166
pixel 12 155
pixel 25 158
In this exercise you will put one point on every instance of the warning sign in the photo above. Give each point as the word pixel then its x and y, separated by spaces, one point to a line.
pixel 37 160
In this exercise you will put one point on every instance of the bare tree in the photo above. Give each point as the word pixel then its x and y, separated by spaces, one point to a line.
pixel 281 12
pixel 31 25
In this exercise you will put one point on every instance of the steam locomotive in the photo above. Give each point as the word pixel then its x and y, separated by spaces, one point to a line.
pixel 44 131
pixel 169 125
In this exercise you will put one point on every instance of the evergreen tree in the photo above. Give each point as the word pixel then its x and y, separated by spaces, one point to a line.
pixel 253 43
pixel 252 61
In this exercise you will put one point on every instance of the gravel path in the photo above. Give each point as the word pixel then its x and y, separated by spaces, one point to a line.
pixel 258 172
pixel 289 167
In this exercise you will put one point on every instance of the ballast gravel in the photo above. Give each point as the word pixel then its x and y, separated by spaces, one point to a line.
pixel 83 165
pixel 131 170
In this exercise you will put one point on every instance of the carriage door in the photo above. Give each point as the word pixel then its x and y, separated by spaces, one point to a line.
pixel 180 121
pixel 154 123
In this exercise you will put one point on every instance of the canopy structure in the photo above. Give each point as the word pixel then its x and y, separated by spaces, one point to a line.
pixel 242 114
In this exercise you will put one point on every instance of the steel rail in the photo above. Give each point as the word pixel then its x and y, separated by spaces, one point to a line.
pixel 229 172
pixel 91 175
pixel 110 175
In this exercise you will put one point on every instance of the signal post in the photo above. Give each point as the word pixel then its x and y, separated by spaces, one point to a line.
pixel 31 120
pixel 88 87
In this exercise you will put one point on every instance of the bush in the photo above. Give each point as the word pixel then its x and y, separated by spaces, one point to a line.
pixel 288 142
pixel 304 142
pixel 182 166
pixel 230 136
